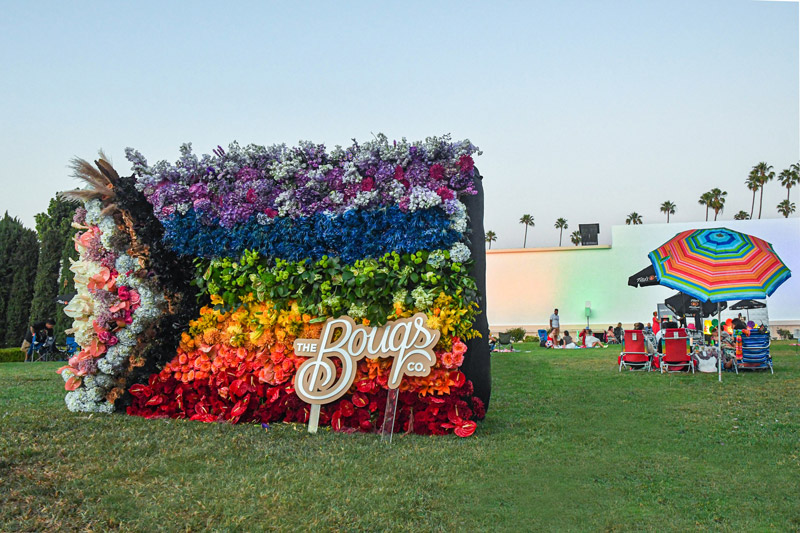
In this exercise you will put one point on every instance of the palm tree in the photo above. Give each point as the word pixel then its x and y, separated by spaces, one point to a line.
pixel 634 218
pixel 491 237
pixel 765 174
pixel 790 177
pixel 561 225
pixel 705 199
pixel 752 184
pixel 668 208
pixel 575 237
pixel 528 221
pixel 741 215
pixel 786 208
pixel 717 201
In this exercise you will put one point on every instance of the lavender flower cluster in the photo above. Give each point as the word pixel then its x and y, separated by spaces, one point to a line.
pixel 231 187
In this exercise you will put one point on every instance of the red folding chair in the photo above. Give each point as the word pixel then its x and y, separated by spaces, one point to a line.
pixel 633 355
pixel 676 351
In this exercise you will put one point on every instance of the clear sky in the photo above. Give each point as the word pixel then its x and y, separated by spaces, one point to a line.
pixel 586 110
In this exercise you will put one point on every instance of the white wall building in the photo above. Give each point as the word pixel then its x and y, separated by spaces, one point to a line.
pixel 523 286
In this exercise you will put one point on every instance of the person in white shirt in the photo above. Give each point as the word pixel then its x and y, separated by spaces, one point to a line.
pixel 592 341
pixel 555 323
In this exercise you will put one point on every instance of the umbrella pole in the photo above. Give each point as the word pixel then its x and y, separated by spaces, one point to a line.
pixel 719 341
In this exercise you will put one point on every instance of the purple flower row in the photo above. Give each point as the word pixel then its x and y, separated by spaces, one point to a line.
pixel 229 187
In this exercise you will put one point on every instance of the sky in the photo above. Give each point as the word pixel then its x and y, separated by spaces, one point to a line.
pixel 584 110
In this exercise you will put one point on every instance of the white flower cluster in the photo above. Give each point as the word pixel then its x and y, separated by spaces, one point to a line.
pixel 363 198
pixel 458 215
pixel 423 198
pixel 90 396
pixel 422 298
pixel 399 296
pixel 357 311
pixel 459 253
pixel 436 259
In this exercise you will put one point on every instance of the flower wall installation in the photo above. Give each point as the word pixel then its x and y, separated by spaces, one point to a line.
pixel 281 239
pixel 114 304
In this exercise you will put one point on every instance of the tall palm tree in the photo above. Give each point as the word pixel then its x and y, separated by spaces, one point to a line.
pixel 528 221
pixel 786 208
pixel 752 184
pixel 765 174
pixel 575 237
pixel 668 208
pixel 705 199
pixel 561 225
pixel 717 201
pixel 634 218
pixel 491 237
pixel 790 177
pixel 741 215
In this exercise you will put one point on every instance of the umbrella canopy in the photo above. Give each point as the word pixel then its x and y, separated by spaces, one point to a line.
pixel 718 265
pixel 683 304
pixel 748 304
pixel 644 278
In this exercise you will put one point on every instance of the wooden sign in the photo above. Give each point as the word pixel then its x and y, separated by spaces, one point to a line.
pixel 408 340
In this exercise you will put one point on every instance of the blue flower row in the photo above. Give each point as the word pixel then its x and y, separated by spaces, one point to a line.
pixel 354 235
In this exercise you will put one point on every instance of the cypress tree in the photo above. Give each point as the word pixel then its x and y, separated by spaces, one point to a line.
pixel 19 300
pixel 9 236
pixel 53 227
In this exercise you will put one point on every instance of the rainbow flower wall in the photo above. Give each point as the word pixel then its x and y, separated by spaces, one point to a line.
pixel 197 276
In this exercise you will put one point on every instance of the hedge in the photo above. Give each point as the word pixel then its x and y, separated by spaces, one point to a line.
pixel 11 355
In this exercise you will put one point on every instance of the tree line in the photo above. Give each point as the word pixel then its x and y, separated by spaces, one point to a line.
pixel 34 270
pixel 713 200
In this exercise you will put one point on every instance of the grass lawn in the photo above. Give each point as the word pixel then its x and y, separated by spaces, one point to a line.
pixel 569 444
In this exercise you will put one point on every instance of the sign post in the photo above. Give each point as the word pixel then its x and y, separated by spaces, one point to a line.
pixel 408 340
pixel 387 429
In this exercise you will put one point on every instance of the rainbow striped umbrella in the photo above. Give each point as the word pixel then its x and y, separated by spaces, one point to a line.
pixel 718 265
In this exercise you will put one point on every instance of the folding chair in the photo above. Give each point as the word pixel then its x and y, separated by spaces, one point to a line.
pixel 676 351
pixel 542 337
pixel 755 353
pixel 504 339
pixel 44 350
pixel 633 355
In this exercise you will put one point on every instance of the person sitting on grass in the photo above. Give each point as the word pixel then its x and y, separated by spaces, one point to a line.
pixel 552 338
pixel 611 338
pixel 582 335
pixel 590 341
pixel 567 341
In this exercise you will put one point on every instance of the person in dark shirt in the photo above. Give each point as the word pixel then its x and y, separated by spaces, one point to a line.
pixel 40 333
pixel 566 339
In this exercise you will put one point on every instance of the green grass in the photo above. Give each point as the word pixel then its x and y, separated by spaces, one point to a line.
pixel 569 444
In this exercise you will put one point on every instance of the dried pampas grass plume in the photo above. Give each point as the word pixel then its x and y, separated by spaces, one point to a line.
pixel 100 180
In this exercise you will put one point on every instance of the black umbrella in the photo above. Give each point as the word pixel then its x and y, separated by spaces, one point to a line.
pixel 682 304
pixel 748 304
pixel 644 278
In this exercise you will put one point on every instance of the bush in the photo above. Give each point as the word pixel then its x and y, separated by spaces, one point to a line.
pixel 531 338
pixel 517 334
pixel 11 355
pixel 785 334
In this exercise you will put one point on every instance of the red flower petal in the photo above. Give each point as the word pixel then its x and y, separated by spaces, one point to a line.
pixel 359 400
pixel 466 429
pixel 73 383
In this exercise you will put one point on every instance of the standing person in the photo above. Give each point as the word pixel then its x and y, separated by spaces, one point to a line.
pixel 656 323
pixel 555 323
